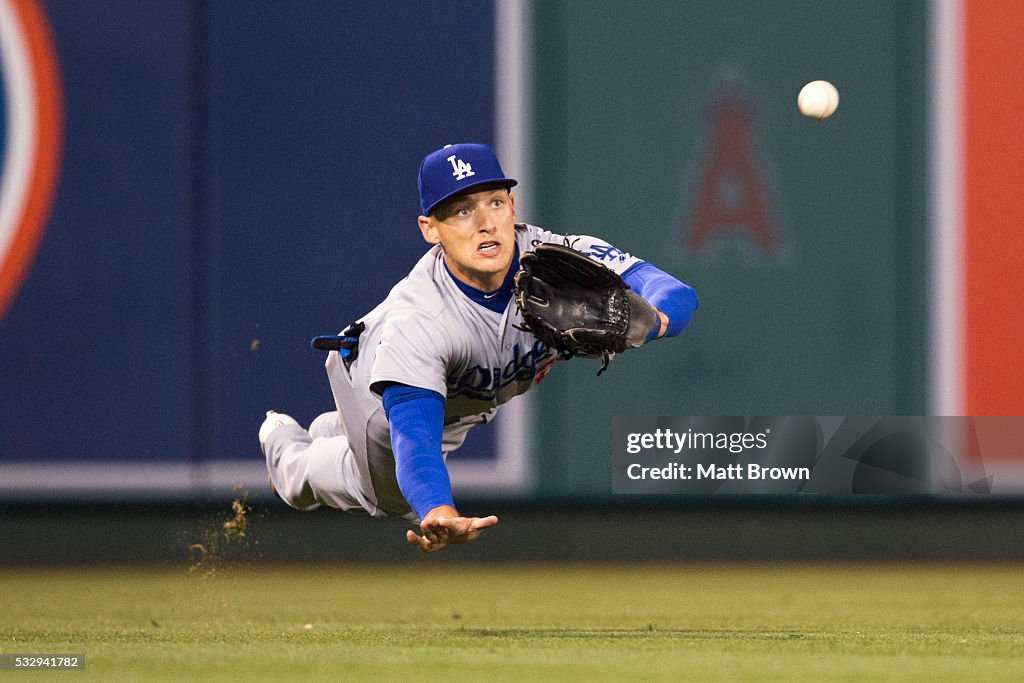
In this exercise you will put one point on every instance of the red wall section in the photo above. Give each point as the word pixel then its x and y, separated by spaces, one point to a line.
pixel 994 207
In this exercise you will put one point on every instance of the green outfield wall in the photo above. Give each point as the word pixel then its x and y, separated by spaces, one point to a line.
pixel 671 129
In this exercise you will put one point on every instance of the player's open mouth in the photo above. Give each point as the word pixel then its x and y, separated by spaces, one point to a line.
pixel 489 248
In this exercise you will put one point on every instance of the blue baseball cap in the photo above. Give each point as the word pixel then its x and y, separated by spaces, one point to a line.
pixel 455 168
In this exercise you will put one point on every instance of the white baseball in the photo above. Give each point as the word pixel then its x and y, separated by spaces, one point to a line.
pixel 818 99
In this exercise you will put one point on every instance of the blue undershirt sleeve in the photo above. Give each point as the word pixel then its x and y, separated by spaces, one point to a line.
pixel 676 300
pixel 417 419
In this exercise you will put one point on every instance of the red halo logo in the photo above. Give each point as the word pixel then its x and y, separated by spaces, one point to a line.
pixel 31 139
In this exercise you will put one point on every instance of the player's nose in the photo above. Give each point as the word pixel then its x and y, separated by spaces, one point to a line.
pixel 485 222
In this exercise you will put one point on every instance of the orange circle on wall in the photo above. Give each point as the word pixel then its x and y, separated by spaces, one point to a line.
pixel 32 142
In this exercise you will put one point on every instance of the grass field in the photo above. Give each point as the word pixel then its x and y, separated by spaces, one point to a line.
pixel 530 622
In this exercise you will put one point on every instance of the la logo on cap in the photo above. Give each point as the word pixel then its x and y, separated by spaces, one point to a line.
pixel 461 168
pixel 453 169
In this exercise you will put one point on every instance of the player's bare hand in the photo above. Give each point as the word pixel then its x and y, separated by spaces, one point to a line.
pixel 443 526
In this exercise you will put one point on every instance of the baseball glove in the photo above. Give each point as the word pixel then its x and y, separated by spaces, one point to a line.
pixel 579 307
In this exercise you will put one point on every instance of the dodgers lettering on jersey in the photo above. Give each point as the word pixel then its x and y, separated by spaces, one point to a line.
pixel 484 383
pixel 427 333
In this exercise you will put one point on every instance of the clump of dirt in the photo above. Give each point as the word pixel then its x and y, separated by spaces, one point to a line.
pixel 234 528
pixel 221 543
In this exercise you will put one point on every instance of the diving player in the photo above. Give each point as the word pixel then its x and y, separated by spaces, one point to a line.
pixel 439 355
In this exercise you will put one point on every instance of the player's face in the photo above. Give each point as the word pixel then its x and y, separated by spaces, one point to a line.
pixel 477 232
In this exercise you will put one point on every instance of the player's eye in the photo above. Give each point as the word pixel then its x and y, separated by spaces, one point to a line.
pixel 462 213
pixel 496 203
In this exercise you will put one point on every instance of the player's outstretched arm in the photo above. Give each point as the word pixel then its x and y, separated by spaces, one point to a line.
pixel 416 417
pixel 443 526
pixel 674 301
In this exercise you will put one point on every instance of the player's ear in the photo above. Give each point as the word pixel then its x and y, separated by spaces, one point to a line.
pixel 512 203
pixel 428 229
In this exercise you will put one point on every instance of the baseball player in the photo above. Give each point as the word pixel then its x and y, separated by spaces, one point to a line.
pixel 439 355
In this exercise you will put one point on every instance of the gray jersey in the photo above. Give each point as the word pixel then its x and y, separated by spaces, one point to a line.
pixel 427 333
